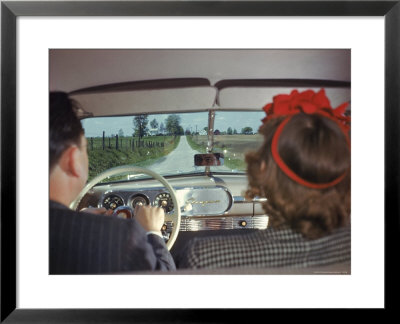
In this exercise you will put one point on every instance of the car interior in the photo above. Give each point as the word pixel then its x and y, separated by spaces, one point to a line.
pixel 171 128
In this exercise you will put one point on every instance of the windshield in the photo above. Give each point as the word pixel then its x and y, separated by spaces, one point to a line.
pixel 167 143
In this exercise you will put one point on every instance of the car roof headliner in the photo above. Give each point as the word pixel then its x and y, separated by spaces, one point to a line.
pixel 124 82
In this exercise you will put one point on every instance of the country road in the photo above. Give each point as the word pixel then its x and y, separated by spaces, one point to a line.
pixel 180 160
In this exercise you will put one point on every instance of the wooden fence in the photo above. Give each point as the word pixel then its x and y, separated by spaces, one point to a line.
pixel 124 143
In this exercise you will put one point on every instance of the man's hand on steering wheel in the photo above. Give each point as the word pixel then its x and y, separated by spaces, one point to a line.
pixel 151 218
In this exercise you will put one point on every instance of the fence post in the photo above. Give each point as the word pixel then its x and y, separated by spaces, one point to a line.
pixel 116 142
pixel 104 133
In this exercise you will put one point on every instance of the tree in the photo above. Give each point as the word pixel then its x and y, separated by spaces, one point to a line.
pixel 140 125
pixel 162 128
pixel 172 125
pixel 121 133
pixel 229 131
pixel 154 123
pixel 247 130
pixel 235 131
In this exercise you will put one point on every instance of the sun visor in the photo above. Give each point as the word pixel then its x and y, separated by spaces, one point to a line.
pixel 257 96
pixel 197 98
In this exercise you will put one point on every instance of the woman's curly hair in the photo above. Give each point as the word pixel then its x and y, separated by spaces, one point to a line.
pixel 315 148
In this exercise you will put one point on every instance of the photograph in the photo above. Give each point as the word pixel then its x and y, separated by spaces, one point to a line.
pixel 267 208
pixel 190 161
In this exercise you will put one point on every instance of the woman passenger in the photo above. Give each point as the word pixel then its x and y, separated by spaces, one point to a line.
pixel 303 169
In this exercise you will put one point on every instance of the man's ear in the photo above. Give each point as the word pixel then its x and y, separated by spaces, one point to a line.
pixel 70 161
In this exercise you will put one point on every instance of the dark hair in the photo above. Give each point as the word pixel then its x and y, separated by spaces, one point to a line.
pixel 65 127
pixel 316 149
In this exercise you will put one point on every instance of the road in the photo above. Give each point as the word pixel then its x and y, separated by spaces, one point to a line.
pixel 180 160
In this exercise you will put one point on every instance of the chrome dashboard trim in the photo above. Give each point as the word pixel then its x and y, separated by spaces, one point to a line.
pixel 243 200
pixel 185 201
pixel 127 195
pixel 259 199
pixel 191 224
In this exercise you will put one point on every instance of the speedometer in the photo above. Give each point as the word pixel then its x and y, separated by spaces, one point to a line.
pixel 164 200
pixel 112 202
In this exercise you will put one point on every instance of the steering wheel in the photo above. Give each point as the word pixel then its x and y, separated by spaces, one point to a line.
pixel 174 216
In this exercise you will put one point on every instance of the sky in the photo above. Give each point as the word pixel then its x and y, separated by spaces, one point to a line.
pixel 236 120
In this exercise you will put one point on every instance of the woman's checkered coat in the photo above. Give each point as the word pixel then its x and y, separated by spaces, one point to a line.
pixel 267 248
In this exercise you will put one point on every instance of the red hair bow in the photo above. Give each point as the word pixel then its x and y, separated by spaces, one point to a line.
pixel 308 102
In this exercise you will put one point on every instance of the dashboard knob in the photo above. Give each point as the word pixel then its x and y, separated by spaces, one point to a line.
pixel 242 223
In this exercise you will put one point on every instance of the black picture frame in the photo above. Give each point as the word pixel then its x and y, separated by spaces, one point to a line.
pixel 10 10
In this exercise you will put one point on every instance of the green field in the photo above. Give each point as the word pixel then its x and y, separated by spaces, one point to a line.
pixel 234 147
pixel 129 151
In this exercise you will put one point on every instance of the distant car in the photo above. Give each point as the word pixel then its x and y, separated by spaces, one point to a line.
pixel 158 109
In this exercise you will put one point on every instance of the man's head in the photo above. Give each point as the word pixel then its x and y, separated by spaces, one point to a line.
pixel 67 149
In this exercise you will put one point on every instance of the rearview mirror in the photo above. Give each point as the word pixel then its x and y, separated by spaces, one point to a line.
pixel 209 159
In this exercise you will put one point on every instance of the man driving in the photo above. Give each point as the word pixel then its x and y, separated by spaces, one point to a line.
pixel 92 241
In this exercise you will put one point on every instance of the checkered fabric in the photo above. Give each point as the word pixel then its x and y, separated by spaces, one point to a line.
pixel 267 248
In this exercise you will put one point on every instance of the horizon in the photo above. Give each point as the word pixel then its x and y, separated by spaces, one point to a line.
pixel 193 122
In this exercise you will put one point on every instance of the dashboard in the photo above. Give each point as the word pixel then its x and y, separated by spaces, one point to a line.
pixel 206 202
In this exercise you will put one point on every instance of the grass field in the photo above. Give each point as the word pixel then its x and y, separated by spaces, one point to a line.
pixel 142 154
pixel 234 147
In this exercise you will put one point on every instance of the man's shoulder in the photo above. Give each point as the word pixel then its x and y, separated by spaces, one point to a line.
pixel 57 210
pixel 61 214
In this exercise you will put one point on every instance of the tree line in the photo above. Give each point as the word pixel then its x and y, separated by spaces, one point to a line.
pixel 171 126
pixel 230 131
